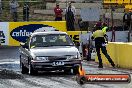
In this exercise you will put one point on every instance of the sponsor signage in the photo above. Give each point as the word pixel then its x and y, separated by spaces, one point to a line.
pixel 12 33
pixel 83 78
pixel 4 33
pixel 104 78
pixel 20 31
pixel 75 35
pixel 117 2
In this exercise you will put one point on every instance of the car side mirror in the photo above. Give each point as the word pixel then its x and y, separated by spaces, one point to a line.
pixel 24 45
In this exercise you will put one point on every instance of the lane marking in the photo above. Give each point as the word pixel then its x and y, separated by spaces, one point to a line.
pixel 12 62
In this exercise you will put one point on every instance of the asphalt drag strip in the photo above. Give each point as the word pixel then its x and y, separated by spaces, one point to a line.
pixel 9 74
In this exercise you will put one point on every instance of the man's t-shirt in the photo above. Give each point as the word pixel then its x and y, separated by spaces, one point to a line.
pixel 58 12
pixel 98 35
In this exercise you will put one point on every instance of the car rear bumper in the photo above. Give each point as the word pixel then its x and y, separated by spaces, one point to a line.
pixel 48 66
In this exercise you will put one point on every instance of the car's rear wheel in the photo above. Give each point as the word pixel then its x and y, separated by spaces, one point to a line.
pixel 32 71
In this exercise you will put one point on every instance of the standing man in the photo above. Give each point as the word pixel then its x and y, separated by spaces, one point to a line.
pixel 70 17
pixel 25 12
pixel 98 24
pixel 58 13
pixel 99 37
pixel 13 9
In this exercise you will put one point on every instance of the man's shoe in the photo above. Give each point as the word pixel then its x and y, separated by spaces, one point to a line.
pixel 113 65
pixel 100 66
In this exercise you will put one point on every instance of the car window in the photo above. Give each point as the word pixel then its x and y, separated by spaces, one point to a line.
pixel 51 40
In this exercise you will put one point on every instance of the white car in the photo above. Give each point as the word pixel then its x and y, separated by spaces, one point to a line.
pixel 49 51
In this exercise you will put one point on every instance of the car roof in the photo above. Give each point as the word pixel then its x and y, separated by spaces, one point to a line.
pixel 48 32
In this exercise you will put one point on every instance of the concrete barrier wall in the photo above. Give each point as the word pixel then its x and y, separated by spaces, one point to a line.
pixel 124 55
pixel 120 54
pixel 51 12
pixel 77 5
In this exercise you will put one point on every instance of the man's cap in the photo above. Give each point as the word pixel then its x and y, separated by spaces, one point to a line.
pixel 69 3
pixel 57 4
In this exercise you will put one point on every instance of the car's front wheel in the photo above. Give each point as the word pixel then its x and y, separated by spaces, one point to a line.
pixel 24 70
pixel 31 70
pixel 76 70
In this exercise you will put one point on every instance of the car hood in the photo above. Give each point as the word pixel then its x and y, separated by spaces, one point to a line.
pixel 54 51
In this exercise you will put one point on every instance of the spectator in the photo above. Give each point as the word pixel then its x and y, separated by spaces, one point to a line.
pixel 98 25
pixel 70 17
pixel 87 53
pixel 13 9
pixel 58 13
pixel 126 26
pixel 25 12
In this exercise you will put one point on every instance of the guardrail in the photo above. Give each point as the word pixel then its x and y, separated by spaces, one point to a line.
pixel 51 12
pixel 77 5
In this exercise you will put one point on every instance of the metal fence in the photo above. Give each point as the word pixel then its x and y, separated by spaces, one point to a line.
pixel 42 10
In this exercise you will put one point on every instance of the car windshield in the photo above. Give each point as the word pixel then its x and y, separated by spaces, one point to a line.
pixel 51 40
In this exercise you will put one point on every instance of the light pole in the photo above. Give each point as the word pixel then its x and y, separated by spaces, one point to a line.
pixel 0 9
pixel 112 21
pixel 67 2
pixel 112 25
